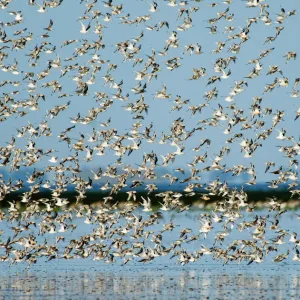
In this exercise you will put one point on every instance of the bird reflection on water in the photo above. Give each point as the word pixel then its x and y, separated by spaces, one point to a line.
pixel 150 283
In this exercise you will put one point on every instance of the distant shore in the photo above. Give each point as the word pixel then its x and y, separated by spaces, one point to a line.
pixel 256 198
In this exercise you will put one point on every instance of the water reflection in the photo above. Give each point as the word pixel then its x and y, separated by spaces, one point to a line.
pixel 153 284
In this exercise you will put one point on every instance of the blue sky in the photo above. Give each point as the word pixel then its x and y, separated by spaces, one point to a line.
pixel 67 27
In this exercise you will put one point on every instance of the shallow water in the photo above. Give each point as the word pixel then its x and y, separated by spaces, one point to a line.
pixel 198 281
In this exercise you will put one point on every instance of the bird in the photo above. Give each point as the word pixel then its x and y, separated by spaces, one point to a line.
pixel 136 164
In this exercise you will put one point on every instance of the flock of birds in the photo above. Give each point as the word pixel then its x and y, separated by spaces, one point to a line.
pixel 40 85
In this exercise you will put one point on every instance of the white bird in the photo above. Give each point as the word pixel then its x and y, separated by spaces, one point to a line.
pixel 84 29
